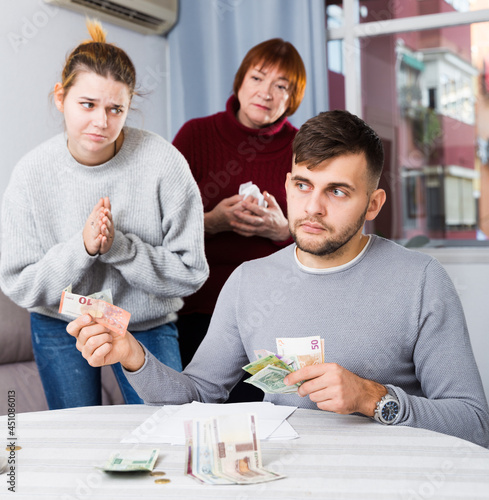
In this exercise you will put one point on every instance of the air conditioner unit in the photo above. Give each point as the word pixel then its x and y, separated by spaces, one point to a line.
pixel 151 17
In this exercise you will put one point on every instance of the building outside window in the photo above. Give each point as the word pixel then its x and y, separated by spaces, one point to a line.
pixel 418 72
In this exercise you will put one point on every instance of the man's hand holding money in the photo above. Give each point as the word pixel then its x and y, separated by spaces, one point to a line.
pixel 99 346
pixel 334 388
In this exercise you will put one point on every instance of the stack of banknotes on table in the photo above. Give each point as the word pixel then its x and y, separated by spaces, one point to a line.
pixel 270 369
pixel 98 305
pixel 225 450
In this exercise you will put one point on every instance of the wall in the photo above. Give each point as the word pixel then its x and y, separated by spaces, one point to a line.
pixel 212 37
pixel 34 40
pixel 469 270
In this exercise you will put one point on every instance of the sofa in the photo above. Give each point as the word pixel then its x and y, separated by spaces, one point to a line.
pixel 18 370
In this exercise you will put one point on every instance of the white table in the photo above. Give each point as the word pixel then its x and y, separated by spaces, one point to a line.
pixel 336 457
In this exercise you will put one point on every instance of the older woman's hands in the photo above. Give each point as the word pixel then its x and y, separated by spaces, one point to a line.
pixel 220 217
pixel 246 218
pixel 250 219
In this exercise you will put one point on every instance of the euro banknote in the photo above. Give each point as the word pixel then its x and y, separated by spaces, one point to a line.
pixel 131 460
pixel 307 350
pixel 269 369
pixel 225 450
pixel 262 362
pixel 112 317
pixel 271 380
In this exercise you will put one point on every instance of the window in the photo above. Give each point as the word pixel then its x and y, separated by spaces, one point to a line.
pixel 417 72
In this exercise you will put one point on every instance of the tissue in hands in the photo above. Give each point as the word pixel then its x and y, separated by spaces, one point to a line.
pixel 250 189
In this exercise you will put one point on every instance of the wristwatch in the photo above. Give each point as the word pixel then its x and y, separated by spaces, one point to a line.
pixel 387 409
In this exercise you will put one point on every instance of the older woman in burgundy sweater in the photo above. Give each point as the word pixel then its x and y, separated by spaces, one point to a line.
pixel 250 141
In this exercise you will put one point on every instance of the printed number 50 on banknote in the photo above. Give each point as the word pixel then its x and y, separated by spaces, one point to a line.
pixel 308 350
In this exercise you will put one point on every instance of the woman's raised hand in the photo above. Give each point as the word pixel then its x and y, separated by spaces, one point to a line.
pixel 98 233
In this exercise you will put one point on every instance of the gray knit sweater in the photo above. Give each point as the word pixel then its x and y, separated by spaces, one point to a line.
pixel 157 255
pixel 391 315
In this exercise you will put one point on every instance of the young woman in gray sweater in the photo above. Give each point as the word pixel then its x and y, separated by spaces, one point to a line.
pixel 100 206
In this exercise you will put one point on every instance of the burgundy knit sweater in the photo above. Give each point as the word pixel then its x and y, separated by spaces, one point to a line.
pixel 222 154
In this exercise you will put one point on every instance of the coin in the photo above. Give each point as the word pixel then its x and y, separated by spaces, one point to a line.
pixel 157 473
pixel 162 481
pixel 13 448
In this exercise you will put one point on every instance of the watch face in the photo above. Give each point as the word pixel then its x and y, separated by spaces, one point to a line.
pixel 390 411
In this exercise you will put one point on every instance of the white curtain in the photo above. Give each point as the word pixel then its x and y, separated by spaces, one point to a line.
pixel 212 37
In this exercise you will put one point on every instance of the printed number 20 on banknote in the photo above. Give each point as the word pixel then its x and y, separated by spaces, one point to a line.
pixel 112 317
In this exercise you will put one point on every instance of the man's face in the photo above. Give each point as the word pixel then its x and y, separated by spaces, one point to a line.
pixel 328 205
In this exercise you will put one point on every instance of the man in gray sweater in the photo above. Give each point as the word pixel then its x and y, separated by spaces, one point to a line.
pixel 396 343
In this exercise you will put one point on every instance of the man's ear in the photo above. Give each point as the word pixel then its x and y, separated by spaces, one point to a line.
pixel 377 200
pixel 59 96
pixel 287 178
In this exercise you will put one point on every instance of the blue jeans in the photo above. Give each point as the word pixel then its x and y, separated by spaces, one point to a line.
pixel 69 381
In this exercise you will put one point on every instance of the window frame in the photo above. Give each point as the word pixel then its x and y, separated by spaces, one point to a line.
pixel 353 31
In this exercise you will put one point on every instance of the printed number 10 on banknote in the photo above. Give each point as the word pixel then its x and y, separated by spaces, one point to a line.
pixel 112 317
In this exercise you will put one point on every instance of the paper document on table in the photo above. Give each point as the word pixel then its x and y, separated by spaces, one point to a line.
pixel 112 317
pixel 131 461
pixel 283 432
pixel 167 424
pixel 225 449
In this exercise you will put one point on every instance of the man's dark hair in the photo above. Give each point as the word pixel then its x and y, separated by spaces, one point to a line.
pixel 337 133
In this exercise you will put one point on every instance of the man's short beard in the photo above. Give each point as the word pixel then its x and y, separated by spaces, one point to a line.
pixel 331 245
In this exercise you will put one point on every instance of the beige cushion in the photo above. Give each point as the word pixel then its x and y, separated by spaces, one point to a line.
pixel 15 332
pixel 23 378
